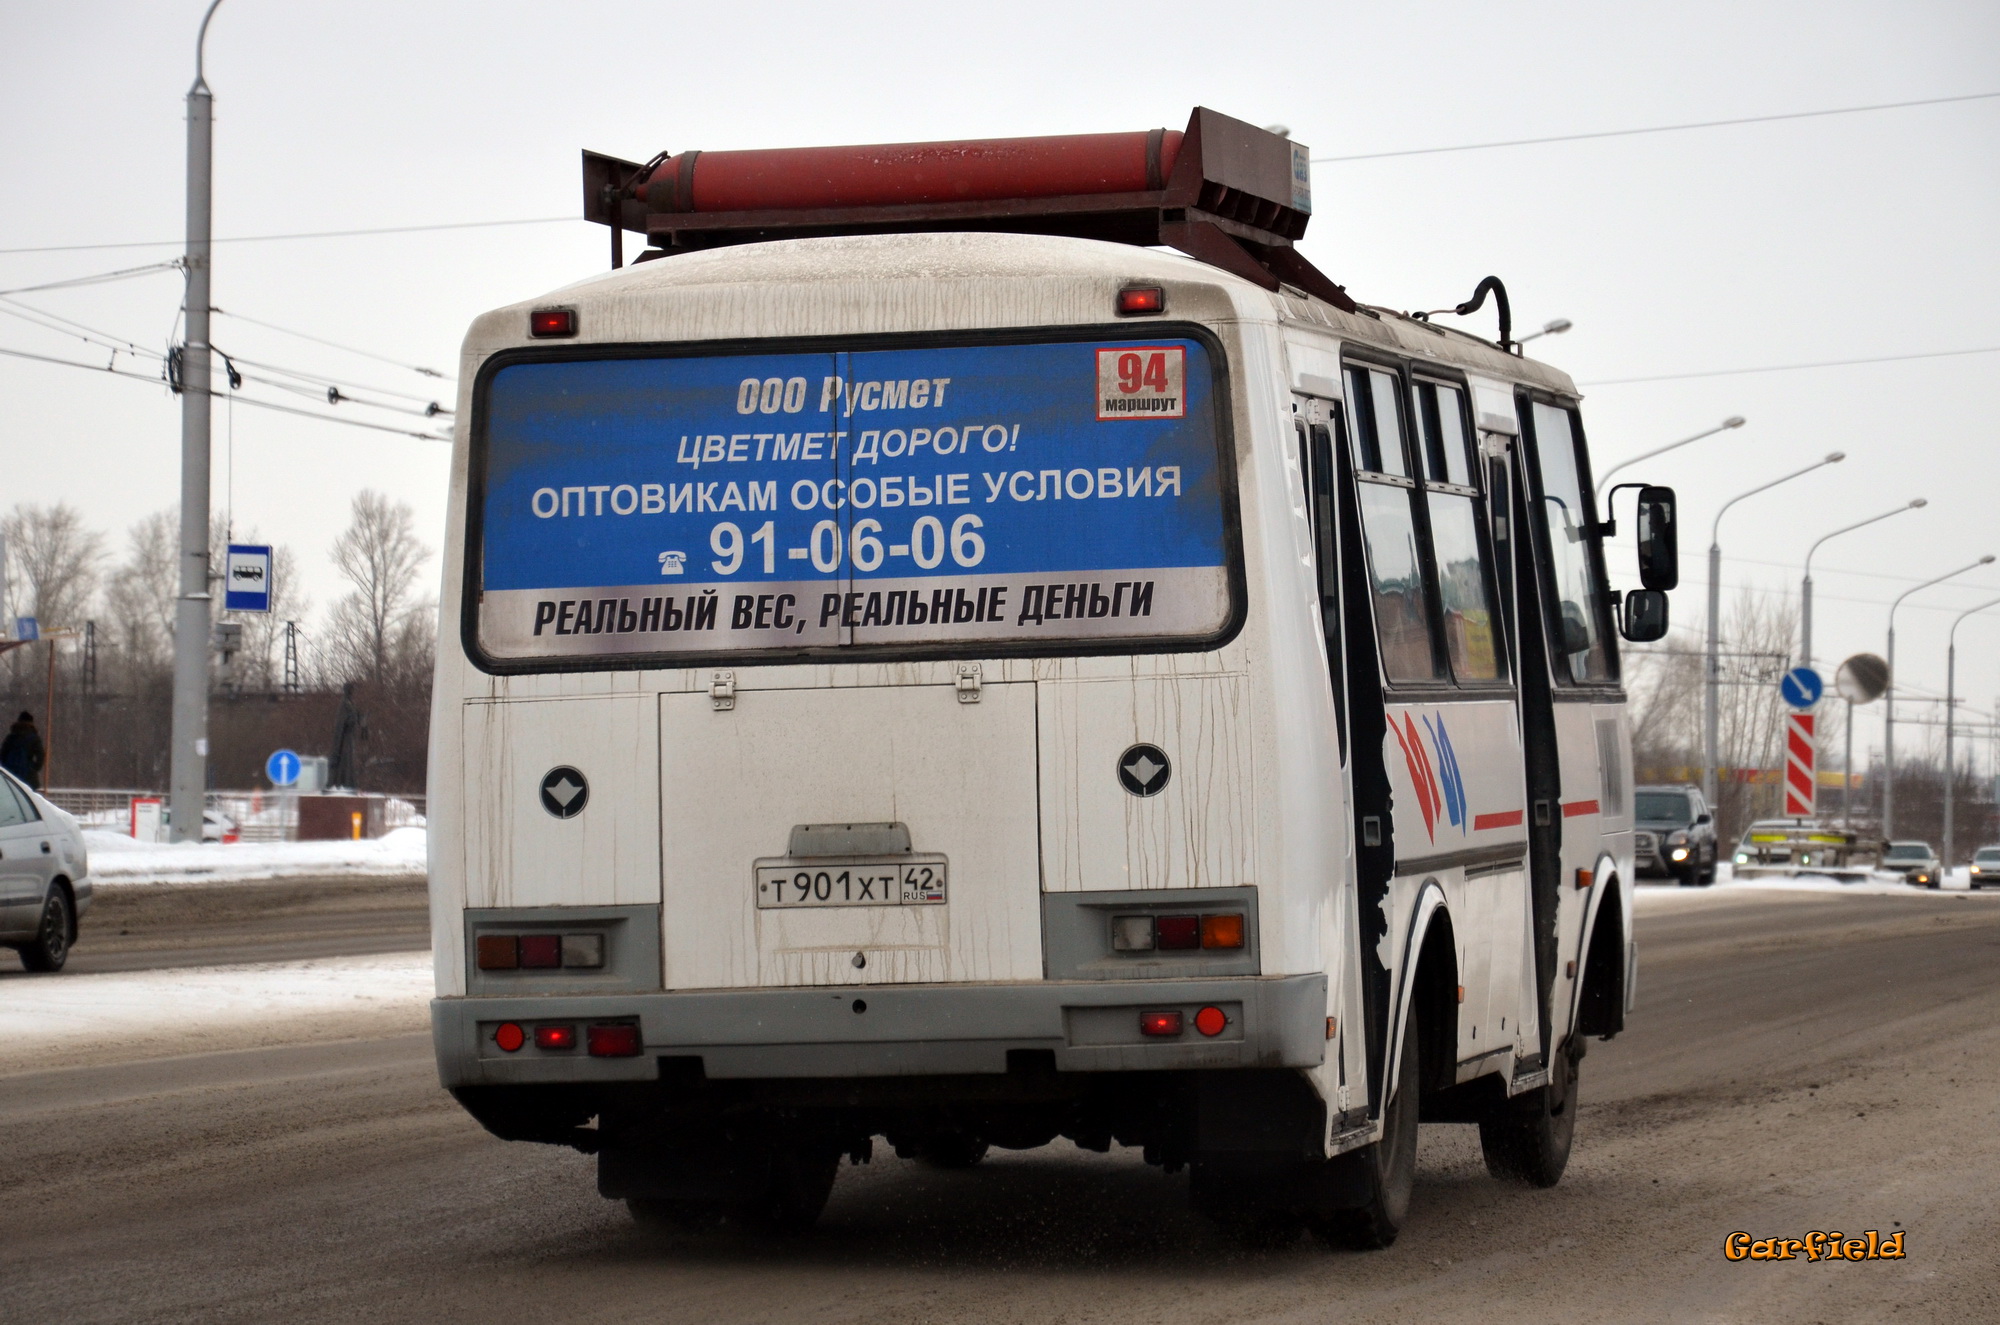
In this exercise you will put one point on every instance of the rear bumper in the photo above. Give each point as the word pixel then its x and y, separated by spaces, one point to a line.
pixel 899 1030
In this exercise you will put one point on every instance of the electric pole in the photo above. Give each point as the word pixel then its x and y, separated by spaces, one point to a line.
pixel 189 765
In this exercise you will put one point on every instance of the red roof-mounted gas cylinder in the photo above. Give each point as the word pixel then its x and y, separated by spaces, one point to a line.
pixel 903 174
pixel 1228 193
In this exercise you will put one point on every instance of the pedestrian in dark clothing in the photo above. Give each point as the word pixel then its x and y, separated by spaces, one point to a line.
pixel 21 752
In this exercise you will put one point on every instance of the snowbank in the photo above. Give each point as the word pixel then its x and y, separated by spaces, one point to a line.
pixel 1879 884
pixel 54 1020
pixel 118 861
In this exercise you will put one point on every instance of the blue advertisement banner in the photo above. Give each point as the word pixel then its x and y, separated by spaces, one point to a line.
pixel 767 501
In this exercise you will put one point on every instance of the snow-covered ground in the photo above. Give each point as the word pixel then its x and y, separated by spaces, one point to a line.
pixel 54 1021
pixel 118 861
pixel 1654 892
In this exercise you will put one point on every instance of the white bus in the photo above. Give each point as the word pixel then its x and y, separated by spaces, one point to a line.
pixel 928 663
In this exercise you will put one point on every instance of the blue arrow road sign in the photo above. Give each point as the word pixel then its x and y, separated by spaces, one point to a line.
pixel 282 768
pixel 1802 687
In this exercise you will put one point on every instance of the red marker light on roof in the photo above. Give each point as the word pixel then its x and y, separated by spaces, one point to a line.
pixel 552 322
pixel 1139 300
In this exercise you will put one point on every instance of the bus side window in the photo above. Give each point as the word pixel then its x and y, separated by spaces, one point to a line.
pixel 1390 527
pixel 1575 571
pixel 1464 557
pixel 1316 464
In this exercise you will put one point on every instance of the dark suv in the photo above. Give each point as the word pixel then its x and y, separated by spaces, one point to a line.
pixel 1673 834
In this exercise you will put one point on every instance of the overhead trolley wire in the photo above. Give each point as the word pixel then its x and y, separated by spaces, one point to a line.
pixel 247 400
pixel 98 278
pixel 1656 128
pixel 1793 367
pixel 304 234
pixel 332 344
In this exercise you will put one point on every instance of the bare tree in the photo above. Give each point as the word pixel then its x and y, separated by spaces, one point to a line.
pixel 54 562
pixel 142 591
pixel 381 557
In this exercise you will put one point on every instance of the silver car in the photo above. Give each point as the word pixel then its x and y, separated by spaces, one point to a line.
pixel 44 877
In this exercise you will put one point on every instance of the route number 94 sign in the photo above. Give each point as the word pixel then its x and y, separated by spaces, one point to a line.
pixel 652 509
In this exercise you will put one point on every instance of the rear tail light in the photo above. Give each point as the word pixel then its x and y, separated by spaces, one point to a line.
pixel 1159 1023
pixel 498 952
pixel 552 322
pixel 1132 934
pixel 555 1037
pixel 1178 934
pixel 509 1036
pixel 620 1041
pixel 1211 1021
pixel 1222 931
pixel 583 950
pixel 1138 300
pixel 541 952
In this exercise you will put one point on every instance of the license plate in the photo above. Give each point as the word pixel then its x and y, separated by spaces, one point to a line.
pixel 905 882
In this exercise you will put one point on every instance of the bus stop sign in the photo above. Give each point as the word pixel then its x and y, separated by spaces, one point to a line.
pixel 1802 687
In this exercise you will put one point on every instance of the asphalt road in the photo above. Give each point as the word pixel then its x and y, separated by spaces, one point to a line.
pixel 136 928
pixel 1797 1062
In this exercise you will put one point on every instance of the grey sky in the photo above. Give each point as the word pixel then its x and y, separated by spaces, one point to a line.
pixel 1818 239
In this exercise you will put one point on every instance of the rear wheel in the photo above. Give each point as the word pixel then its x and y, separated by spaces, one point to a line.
pixel 801 1181
pixel 50 946
pixel 1387 1169
pixel 1527 1139
pixel 952 1150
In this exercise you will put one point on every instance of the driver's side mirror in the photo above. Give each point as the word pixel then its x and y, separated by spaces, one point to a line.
pixel 1703 817
pixel 1659 544
pixel 1642 615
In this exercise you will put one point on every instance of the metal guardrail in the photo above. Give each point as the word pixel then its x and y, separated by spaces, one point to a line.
pixel 258 816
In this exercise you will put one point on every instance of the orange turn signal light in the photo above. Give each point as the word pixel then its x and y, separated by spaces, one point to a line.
pixel 1225 931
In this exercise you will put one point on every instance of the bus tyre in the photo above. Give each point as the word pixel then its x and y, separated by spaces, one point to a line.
pixel 791 1202
pixel 1385 1172
pixel 951 1150
pixel 50 947
pixel 1526 1139
pixel 674 1216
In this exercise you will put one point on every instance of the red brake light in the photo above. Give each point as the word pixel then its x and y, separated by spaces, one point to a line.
pixel 509 1036
pixel 1136 300
pixel 546 322
pixel 1159 1023
pixel 498 952
pixel 1177 932
pixel 555 1037
pixel 1211 1021
pixel 541 951
pixel 621 1041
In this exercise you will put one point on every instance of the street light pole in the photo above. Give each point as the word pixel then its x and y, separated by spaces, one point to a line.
pixel 1950 707
pixel 1805 586
pixel 1733 421
pixel 188 778
pixel 1712 697
pixel 1889 698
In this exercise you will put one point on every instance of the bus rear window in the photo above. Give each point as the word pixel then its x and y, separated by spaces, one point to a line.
pixel 654 509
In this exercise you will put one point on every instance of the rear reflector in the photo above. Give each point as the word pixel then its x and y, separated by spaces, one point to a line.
pixel 1132 933
pixel 583 950
pixel 1211 1021
pixel 1222 931
pixel 1159 1023
pixel 498 952
pixel 1178 933
pixel 509 1036
pixel 1137 300
pixel 555 1037
pixel 541 952
pixel 548 322
pixel 620 1041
